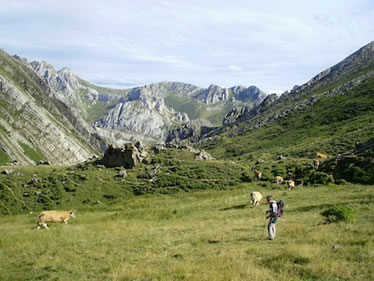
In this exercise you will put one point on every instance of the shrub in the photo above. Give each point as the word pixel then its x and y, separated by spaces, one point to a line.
pixel 339 213
pixel 320 178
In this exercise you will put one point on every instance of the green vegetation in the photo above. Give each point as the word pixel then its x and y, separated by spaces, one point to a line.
pixel 333 126
pixel 46 187
pixel 197 110
pixel 206 235
pixel 4 158
pixel 34 154
pixel 339 213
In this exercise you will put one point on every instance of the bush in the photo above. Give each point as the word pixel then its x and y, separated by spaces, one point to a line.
pixel 339 213
pixel 320 178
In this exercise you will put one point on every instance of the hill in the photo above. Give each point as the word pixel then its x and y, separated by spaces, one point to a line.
pixel 331 114
pixel 36 126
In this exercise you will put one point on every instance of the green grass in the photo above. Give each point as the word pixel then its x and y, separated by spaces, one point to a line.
pixel 34 154
pixel 207 235
pixel 4 158
pixel 332 126
pixel 198 110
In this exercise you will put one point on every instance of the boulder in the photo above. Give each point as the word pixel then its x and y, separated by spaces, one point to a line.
pixel 122 174
pixel 7 172
pixel 127 156
pixel 203 155
pixel 154 171
pixel 158 148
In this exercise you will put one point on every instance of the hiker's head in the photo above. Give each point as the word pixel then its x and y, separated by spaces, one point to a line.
pixel 269 198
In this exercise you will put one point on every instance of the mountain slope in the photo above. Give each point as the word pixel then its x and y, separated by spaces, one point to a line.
pixel 329 113
pixel 34 124
pixel 146 112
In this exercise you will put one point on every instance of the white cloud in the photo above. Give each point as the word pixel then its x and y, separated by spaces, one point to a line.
pixel 234 67
pixel 272 44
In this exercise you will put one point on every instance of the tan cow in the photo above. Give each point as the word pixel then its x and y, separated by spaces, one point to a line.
pixel 54 216
pixel 255 198
pixel 321 155
pixel 290 184
pixel 316 164
pixel 258 174
pixel 278 180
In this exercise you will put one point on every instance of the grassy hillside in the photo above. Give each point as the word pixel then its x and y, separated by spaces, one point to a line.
pixel 198 110
pixel 332 126
pixel 28 189
pixel 207 235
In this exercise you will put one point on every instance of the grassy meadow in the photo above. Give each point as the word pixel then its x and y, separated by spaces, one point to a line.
pixel 200 235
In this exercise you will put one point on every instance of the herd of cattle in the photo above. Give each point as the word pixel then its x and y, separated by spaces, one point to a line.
pixel 256 197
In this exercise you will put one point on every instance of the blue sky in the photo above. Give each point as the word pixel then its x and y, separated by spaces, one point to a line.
pixel 272 44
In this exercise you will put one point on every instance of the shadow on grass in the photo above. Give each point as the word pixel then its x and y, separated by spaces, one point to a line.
pixel 359 201
pixel 309 208
pixel 237 207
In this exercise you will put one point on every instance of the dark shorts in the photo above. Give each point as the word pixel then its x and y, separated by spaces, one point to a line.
pixel 273 220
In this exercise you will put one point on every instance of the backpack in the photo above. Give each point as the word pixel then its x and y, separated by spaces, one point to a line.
pixel 280 205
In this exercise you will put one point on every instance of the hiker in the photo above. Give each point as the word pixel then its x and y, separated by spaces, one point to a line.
pixel 272 215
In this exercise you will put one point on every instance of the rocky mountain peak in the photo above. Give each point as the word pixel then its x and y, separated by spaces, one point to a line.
pixel 64 80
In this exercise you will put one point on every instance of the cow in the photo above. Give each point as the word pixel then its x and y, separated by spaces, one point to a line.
pixel 316 164
pixel 278 180
pixel 321 155
pixel 258 174
pixel 255 198
pixel 290 184
pixel 54 216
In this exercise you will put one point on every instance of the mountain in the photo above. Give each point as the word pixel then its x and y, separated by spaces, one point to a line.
pixel 154 109
pixel 54 115
pixel 34 124
pixel 147 112
pixel 329 113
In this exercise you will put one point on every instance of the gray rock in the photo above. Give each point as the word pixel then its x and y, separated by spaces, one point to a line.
pixel 203 155
pixel 122 174
pixel 126 156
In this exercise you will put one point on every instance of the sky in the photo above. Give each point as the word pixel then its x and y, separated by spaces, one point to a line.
pixel 271 44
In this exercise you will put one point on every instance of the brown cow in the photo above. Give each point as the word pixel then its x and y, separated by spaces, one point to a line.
pixel 321 155
pixel 54 216
pixel 258 174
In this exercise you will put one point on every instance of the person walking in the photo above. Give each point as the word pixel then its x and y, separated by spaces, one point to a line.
pixel 272 215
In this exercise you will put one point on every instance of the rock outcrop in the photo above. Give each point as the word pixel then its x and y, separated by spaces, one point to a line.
pixel 126 156
pixel 191 131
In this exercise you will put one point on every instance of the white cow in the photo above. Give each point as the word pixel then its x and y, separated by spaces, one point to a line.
pixel 255 198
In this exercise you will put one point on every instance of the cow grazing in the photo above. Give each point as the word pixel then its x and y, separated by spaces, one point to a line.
pixel 54 216
pixel 321 155
pixel 290 184
pixel 278 180
pixel 255 198
pixel 316 164
pixel 258 174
